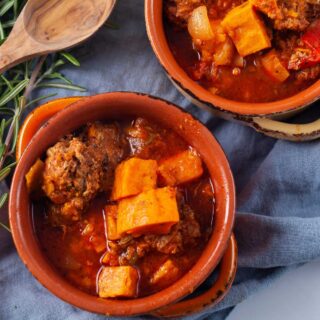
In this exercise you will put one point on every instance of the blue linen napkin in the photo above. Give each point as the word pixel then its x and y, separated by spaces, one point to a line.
pixel 278 182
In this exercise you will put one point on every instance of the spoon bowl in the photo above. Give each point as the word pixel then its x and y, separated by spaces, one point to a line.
pixel 52 25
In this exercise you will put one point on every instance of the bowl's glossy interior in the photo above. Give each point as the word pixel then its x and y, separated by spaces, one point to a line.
pixel 115 106
pixel 199 95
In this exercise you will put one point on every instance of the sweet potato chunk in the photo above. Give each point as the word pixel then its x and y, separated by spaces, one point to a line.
pixel 181 168
pixel 34 177
pixel 118 282
pixel 274 67
pixel 153 211
pixel 111 221
pixel 134 176
pixel 246 29
pixel 166 273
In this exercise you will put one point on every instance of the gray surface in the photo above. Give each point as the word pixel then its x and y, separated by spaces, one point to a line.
pixel 278 183
pixel 293 296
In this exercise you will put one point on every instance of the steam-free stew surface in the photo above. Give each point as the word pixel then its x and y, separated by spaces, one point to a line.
pixel 78 244
pixel 282 59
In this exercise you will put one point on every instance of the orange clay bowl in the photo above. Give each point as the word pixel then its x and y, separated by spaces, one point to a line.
pixel 72 113
pixel 251 114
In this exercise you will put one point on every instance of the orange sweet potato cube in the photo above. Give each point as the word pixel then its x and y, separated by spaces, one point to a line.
pixel 111 212
pixel 273 66
pixel 134 176
pixel 246 29
pixel 154 211
pixel 120 281
pixel 34 176
pixel 167 272
pixel 180 168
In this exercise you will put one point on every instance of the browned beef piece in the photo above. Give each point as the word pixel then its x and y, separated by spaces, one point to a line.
pixel 294 15
pixel 71 179
pixel 299 55
pixel 145 140
pixel 111 148
pixel 286 14
pixel 285 44
pixel 268 7
pixel 291 49
pixel 178 11
pixel 311 73
pixel 77 168
pixel 184 235
pixel 313 11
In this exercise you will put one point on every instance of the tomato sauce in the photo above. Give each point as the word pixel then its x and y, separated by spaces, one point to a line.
pixel 80 250
pixel 248 78
pixel 252 84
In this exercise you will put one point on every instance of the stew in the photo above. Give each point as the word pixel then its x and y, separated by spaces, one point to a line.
pixel 246 50
pixel 122 209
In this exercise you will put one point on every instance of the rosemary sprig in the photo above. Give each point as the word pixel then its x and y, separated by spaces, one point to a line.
pixel 16 86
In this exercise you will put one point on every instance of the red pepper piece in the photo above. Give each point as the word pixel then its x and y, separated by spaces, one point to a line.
pixel 309 56
pixel 312 36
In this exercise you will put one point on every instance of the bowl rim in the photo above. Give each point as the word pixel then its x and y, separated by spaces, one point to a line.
pixel 237 109
pixel 35 260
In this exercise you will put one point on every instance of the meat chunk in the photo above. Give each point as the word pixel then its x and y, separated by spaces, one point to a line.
pixel 299 58
pixel 308 73
pixel 268 7
pixel 78 167
pixel 313 11
pixel 145 141
pixel 71 178
pixel 179 11
pixel 294 15
pixel 108 139
pixel 286 14
pixel 285 45
pixel 182 236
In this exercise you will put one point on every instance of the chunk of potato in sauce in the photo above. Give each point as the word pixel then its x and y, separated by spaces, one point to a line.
pixel 206 58
pixel 81 251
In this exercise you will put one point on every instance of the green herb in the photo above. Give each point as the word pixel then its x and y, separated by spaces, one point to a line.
pixel 16 86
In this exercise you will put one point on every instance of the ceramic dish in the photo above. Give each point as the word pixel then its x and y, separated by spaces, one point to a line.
pixel 114 106
pixel 261 116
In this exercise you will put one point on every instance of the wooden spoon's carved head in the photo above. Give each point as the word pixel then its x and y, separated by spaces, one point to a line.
pixel 68 22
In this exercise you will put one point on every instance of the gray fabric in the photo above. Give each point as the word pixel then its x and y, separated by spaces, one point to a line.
pixel 278 182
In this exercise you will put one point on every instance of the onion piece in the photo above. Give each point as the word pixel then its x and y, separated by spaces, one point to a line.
pixel 199 26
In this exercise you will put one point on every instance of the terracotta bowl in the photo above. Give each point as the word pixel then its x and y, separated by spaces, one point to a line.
pixel 113 106
pixel 252 114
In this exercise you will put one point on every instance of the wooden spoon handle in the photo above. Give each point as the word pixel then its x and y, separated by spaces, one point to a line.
pixel 19 47
pixel 11 55
pixel 8 57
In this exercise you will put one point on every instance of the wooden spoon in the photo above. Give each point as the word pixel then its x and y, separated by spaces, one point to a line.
pixel 46 26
